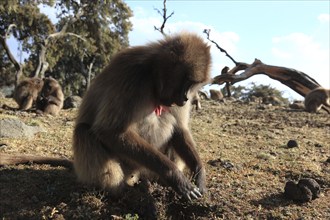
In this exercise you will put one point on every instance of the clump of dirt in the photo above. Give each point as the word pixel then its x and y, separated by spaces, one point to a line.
pixel 303 191
pixel 244 149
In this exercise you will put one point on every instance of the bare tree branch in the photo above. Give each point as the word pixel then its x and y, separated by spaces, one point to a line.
pixel 165 18
pixel 43 64
pixel 207 32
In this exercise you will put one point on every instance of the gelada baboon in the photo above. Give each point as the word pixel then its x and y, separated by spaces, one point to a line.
pixel 27 91
pixel 271 100
pixel 50 100
pixel 317 99
pixel 136 110
pixel 196 101
pixel 216 95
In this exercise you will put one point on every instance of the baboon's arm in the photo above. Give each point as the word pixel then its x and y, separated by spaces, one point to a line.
pixel 132 146
pixel 184 145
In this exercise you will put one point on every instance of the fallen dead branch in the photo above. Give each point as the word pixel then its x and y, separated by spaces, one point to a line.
pixel 296 80
pixel 10 159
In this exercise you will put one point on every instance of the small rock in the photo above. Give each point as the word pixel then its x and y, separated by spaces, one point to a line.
pixel 221 163
pixel 3 145
pixel 14 128
pixel 292 144
pixel 318 145
pixel 72 102
pixel 328 160
pixel 261 107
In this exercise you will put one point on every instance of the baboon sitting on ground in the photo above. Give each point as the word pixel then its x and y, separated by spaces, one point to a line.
pixel 51 97
pixel 317 99
pixel 26 92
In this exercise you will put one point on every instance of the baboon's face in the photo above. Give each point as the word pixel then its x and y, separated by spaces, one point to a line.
pixel 49 86
pixel 175 87
pixel 39 83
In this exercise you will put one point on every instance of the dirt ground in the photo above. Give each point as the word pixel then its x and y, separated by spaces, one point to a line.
pixel 244 149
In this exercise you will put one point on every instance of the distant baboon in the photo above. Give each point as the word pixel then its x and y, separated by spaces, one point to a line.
pixel 254 98
pixel 225 71
pixel 136 110
pixel 216 94
pixel 27 91
pixel 51 97
pixel 297 105
pixel 272 100
pixel 203 95
pixel 317 99
pixel 196 101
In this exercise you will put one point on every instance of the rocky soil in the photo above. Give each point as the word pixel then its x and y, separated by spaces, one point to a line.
pixel 244 147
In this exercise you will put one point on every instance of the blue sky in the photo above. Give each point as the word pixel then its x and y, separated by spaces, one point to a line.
pixel 293 34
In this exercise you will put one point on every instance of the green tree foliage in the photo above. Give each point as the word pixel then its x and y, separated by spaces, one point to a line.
pixel 6 69
pixel 264 91
pixel 31 27
pixel 236 91
pixel 104 26
pixel 254 90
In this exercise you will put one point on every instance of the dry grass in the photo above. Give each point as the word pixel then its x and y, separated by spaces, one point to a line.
pixel 244 150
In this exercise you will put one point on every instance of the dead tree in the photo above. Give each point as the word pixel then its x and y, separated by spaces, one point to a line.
pixel 51 39
pixel 225 69
pixel 165 18
pixel 294 79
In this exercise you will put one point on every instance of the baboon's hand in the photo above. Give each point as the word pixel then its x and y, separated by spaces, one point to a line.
pixel 185 187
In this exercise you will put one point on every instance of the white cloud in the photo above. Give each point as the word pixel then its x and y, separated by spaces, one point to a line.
pixel 279 53
pixel 143 32
pixel 324 18
pixel 139 11
pixel 304 53
pixel 301 45
pixel 144 28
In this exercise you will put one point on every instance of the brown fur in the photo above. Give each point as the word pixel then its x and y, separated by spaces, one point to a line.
pixel 51 97
pixel 26 92
pixel 317 99
pixel 118 137
pixel 216 95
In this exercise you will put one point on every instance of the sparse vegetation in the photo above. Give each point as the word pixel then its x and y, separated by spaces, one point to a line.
pixel 256 91
pixel 251 165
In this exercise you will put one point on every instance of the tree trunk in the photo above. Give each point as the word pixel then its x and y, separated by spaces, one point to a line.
pixel 42 64
pixel 18 67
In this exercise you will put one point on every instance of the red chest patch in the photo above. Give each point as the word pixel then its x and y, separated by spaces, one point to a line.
pixel 159 109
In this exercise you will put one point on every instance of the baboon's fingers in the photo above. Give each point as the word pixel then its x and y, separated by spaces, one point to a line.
pixel 193 194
